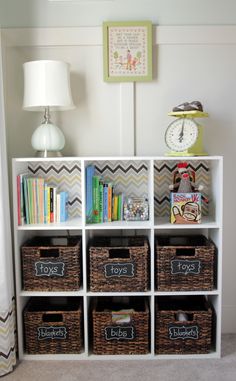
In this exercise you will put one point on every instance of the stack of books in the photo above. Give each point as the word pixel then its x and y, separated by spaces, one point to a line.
pixel 39 202
pixel 102 203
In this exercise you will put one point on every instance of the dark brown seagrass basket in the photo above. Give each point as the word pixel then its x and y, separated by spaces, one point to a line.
pixel 119 264
pixel 189 335
pixel 51 263
pixel 53 327
pixel 111 337
pixel 185 263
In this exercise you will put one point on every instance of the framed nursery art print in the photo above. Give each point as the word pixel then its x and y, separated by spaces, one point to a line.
pixel 127 51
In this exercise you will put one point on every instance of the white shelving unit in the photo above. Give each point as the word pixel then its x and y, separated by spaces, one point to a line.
pixel 152 171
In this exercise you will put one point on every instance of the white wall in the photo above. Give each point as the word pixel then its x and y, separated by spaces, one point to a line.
pixel 52 13
pixel 189 63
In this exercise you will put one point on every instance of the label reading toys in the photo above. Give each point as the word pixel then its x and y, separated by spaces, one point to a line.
pixel 52 333
pixel 113 270
pixel 119 333
pixel 185 267
pixel 49 269
pixel 183 332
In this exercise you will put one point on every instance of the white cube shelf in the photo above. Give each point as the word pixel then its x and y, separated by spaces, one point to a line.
pixel 140 176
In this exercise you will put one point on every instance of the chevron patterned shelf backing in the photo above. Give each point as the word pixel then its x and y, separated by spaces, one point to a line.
pixel 129 177
pixel 163 177
pixel 65 174
pixel 7 347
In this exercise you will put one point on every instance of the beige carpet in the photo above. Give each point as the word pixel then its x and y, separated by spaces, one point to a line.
pixel 223 369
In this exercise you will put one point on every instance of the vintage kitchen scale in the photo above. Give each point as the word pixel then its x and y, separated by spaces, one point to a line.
pixel 184 136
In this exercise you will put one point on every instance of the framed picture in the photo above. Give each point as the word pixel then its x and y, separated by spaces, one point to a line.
pixel 127 51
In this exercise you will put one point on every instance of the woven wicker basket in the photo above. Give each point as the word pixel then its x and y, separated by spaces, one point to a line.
pixel 119 264
pixel 116 338
pixel 185 263
pixel 53 327
pixel 51 263
pixel 180 336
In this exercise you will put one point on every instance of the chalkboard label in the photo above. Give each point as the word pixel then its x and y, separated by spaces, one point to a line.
pixel 52 333
pixel 119 270
pixel 185 267
pixel 183 332
pixel 119 333
pixel 49 269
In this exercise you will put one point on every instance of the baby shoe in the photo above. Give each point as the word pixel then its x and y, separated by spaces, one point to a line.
pixel 196 105
pixel 181 107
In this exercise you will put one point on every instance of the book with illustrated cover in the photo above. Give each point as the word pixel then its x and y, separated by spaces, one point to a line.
pixel 101 201
pixel 21 210
pixel 58 207
pixel 30 199
pixel 90 172
pixel 120 206
pixel 105 202
pixel 96 198
pixel 186 208
pixel 115 208
pixel 34 200
pixel 51 193
pixel 40 195
pixel 18 185
pixel 110 196
pixel 46 190
pixel 64 205
pixel 54 204
pixel 26 202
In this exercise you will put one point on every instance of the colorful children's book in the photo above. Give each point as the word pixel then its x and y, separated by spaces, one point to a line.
pixel 115 208
pixel 120 206
pixel 96 197
pixel 40 195
pixel 18 200
pixel 105 202
pixel 185 208
pixel 54 204
pixel 34 200
pixel 21 210
pixel 100 200
pixel 110 196
pixel 51 204
pixel 26 199
pixel 46 190
pixel 90 172
pixel 30 200
pixel 58 207
pixel 64 204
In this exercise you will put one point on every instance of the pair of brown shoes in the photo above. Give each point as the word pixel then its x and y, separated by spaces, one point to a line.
pixel 186 106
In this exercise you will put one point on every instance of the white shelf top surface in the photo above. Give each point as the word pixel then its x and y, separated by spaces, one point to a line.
pixel 159 223
pixel 115 158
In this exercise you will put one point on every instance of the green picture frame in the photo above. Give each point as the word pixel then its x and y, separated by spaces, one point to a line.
pixel 127 51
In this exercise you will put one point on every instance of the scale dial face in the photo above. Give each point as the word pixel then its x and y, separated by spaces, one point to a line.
pixel 181 134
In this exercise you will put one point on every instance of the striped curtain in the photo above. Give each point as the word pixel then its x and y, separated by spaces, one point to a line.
pixel 7 314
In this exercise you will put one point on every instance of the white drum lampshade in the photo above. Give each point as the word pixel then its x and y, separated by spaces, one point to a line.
pixel 47 87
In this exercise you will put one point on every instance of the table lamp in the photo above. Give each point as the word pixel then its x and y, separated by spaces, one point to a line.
pixel 47 87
